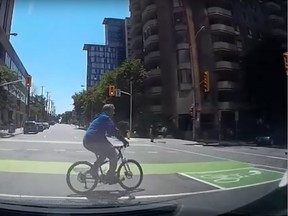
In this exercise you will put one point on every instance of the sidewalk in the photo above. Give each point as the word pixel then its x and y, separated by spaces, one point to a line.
pixel 5 134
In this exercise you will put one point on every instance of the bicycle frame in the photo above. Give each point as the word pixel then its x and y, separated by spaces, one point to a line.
pixel 120 156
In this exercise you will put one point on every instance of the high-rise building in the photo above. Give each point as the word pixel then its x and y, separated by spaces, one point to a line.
pixel 115 36
pixel 104 58
pixel 100 59
pixel 128 37
pixel 179 40
pixel 6 12
pixel 16 109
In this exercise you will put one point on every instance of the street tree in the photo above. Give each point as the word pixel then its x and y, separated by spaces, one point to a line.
pixel 6 75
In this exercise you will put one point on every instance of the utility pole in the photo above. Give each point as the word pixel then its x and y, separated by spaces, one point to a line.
pixel 42 103
pixel 46 105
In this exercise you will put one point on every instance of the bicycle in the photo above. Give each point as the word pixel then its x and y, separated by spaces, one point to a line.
pixel 85 177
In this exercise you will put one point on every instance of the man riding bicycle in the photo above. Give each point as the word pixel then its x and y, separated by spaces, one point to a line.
pixel 95 141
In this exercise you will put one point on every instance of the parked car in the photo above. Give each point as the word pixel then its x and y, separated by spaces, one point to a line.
pixel 30 127
pixel 40 126
pixel 46 125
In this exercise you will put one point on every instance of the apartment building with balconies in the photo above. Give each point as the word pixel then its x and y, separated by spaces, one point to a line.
pixel 224 30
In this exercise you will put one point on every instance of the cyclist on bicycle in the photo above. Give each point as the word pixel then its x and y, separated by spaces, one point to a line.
pixel 95 141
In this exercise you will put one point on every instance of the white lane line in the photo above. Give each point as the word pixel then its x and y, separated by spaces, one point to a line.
pixel 256 184
pixel 253 154
pixel 202 181
pixel 219 158
pixel 171 152
pixel 271 167
pixel 1 149
pixel 215 171
pixel 81 151
pixel 60 142
pixel 33 149
pixel 130 152
pixel 152 152
pixel 60 150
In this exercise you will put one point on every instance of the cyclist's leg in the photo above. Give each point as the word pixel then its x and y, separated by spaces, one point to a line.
pixel 110 152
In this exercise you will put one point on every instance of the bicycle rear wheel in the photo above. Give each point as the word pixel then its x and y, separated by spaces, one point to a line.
pixel 130 170
pixel 83 182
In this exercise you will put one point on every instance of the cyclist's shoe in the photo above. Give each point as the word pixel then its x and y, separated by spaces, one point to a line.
pixel 110 179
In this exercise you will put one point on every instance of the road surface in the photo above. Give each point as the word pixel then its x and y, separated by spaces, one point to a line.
pixel 33 167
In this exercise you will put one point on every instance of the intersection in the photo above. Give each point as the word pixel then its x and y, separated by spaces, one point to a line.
pixel 34 167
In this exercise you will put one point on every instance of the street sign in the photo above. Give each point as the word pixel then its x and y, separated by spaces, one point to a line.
pixel 118 93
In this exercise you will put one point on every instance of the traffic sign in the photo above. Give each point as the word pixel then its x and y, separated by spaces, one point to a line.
pixel 118 93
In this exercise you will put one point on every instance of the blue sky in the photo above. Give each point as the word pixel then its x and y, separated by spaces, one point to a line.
pixel 51 35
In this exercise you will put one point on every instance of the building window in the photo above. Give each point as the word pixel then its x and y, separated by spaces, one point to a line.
pixel 92 48
pixel 179 17
pixel 185 76
pixel 183 56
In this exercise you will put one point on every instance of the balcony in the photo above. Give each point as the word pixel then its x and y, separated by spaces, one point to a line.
pixel 156 90
pixel 152 57
pixel 180 27
pixel 279 33
pixel 154 72
pixel 150 23
pixel 219 12
pixel 185 86
pixel 229 105
pixel 155 108
pixel 224 47
pixel 222 29
pixel 276 19
pixel 149 12
pixel 145 3
pixel 186 65
pixel 181 46
pixel 136 29
pixel 227 65
pixel 272 6
pixel 137 54
pixel 136 42
pixel 152 39
pixel 227 85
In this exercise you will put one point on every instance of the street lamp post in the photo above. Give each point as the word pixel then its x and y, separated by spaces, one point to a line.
pixel 196 103
pixel 131 105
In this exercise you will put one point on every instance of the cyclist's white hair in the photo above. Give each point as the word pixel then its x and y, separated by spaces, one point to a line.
pixel 108 107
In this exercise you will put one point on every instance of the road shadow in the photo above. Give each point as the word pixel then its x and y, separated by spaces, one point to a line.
pixel 80 128
pixel 111 197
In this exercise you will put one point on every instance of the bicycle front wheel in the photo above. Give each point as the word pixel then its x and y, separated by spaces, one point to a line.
pixel 130 175
pixel 79 179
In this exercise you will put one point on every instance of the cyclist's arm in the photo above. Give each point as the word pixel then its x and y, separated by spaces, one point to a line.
pixel 112 130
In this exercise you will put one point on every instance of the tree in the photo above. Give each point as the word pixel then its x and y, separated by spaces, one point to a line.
pixel 88 103
pixel 6 75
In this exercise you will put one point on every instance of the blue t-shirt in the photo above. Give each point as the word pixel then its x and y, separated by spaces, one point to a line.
pixel 100 126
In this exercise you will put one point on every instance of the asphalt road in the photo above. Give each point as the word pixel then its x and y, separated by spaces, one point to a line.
pixel 33 167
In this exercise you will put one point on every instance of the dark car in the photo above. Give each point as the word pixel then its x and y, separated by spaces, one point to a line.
pixel 40 126
pixel 30 127
pixel 46 125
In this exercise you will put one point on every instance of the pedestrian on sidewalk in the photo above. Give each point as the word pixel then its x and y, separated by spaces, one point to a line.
pixel 152 132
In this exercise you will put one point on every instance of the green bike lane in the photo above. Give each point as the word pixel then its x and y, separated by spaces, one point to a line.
pixel 167 173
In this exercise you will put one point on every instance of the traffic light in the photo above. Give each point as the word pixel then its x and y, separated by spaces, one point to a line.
pixel 191 111
pixel 285 55
pixel 111 91
pixel 28 81
pixel 206 81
